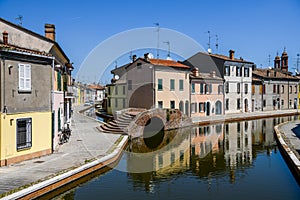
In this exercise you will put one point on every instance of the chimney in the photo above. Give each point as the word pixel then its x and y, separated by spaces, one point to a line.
pixel 213 74
pixel 134 58
pixel 231 54
pixel 146 56
pixel 195 72
pixel 50 31
pixel 5 37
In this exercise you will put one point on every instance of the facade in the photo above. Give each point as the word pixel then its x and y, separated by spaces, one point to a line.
pixel 156 83
pixel 237 75
pixel 206 94
pixel 274 88
pixel 116 96
pixel 99 92
pixel 31 52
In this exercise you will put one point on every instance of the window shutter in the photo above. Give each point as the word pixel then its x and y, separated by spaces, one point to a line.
pixel 27 77
pixel 21 77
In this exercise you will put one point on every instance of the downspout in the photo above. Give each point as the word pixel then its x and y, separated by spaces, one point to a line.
pixel 52 106
pixel 154 85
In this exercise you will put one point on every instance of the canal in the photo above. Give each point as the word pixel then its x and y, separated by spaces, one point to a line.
pixel 237 160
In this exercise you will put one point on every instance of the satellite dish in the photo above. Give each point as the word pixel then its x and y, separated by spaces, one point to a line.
pixel 209 50
pixel 270 67
pixel 169 58
pixel 117 77
pixel 150 56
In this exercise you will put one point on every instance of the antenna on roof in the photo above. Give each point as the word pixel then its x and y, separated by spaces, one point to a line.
pixel 298 62
pixel 217 43
pixel 209 49
pixel 116 64
pixel 169 55
pixel 157 24
pixel 20 19
pixel 130 56
pixel 269 60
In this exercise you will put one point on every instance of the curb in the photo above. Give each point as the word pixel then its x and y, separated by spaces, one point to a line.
pixel 288 154
pixel 70 176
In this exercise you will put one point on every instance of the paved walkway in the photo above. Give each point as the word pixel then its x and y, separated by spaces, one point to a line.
pixel 85 143
pixel 291 131
pixel 242 115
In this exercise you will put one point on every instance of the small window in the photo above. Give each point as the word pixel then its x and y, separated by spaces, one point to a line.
pixel 226 104
pixel 220 89
pixel 116 90
pixel 227 87
pixel 172 104
pixel 172 84
pixel 160 104
pixel 24 133
pixel 139 65
pixel 109 102
pixel 181 85
pixel 116 102
pixel 238 88
pixel 124 90
pixel 264 103
pixel 227 71
pixel 246 88
pixel 201 88
pixel 24 77
pixel 124 103
pixel 201 107
pixel 193 87
pixel 160 85
pixel 129 84
pixel 238 103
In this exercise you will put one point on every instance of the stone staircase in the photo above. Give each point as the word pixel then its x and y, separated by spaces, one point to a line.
pixel 118 125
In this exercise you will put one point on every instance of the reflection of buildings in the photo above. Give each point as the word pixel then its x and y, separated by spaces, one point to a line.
pixel 238 143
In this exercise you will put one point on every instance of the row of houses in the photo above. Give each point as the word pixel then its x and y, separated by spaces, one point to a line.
pixel 205 84
pixel 35 92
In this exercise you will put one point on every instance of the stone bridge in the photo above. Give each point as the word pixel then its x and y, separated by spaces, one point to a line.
pixel 155 120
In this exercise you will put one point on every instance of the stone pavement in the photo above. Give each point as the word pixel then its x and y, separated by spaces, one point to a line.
pixel 86 143
pixel 291 131
pixel 252 115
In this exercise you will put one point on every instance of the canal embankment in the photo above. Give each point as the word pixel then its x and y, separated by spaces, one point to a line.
pixel 242 116
pixel 87 151
pixel 288 138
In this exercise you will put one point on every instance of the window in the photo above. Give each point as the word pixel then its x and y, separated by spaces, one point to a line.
pixel 282 89
pixel 238 128
pixel 24 133
pixel 129 84
pixel 295 89
pixel 226 104
pixel 193 108
pixel 24 77
pixel 172 84
pixel 264 103
pixel 139 65
pixel 207 89
pixel 160 160
pixel 58 81
pixel 201 88
pixel 109 92
pixel 116 102
pixel 238 71
pixel 109 102
pixel 246 72
pixel 290 102
pixel 282 102
pixel 220 89
pixel 210 88
pixel 238 88
pixel 238 103
pixel 160 104
pixel 160 85
pixel 291 89
pixel 193 87
pixel 278 89
pixel 181 85
pixel 253 89
pixel 227 87
pixel 116 90
pixel 181 106
pixel 227 71
pixel 264 89
pixel 274 88
pixel 246 88
pixel 201 107
pixel 172 104
pixel 124 90
pixel 124 103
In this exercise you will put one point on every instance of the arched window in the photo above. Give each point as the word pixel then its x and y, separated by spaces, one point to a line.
pixel 218 107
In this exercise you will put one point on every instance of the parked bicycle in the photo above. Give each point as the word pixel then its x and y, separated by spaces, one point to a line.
pixel 65 134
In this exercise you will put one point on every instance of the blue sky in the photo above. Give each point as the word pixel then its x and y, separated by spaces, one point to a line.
pixel 254 29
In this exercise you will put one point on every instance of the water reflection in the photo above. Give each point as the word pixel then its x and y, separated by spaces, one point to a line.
pixel 205 151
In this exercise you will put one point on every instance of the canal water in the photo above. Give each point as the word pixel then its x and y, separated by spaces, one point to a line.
pixel 237 160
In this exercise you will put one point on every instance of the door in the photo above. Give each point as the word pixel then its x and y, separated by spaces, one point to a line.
pixel 207 108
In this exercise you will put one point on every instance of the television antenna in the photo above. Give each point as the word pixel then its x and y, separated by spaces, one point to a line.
pixel 209 37
pixel 168 43
pixel 157 54
pixel 20 19
pixel 217 43
pixel 269 57
pixel 298 62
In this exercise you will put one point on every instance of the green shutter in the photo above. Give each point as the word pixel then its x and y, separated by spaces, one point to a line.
pixel 58 81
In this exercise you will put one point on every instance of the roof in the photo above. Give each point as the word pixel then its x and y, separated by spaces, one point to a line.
pixel 96 87
pixel 226 58
pixel 36 35
pixel 205 76
pixel 272 74
pixel 169 63
pixel 9 47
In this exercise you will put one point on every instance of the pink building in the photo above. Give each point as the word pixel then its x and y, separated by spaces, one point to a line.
pixel 206 94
